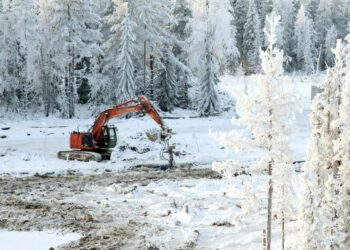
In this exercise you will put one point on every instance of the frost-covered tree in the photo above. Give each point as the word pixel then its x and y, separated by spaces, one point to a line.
pixel 124 84
pixel 10 57
pixel 323 24
pixel 49 91
pixel 264 8
pixel 27 31
pixel 333 237
pixel 339 15
pixel 75 36
pixel 329 44
pixel 305 41
pixel 344 171
pixel 286 10
pixel 208 97
pixel 267 116
pixel 279 33
pixel 224 42
pixel 111 50
pixel 316 173
pixel 167 91
pixel 182 30
pixel 19 46
pixel 342 148
pixel 240 9
pixel 321 169
pixel 252 39
pixel 310 223
pixel 152 26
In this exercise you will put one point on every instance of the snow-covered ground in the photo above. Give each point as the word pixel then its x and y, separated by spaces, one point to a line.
pixel 167 213
pixel 31 146
pixel 34 240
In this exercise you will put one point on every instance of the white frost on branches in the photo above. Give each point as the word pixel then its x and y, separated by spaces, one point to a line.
pixel 267 117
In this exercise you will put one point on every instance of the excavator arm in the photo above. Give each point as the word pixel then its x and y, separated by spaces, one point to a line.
pixel 142 104
pixel 95 144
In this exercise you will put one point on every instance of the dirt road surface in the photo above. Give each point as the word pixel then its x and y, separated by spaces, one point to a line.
pixel 74 202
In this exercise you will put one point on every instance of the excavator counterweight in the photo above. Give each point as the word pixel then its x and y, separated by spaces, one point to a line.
pixel 96 144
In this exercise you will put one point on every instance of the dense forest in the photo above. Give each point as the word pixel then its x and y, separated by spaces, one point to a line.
pixel 55 54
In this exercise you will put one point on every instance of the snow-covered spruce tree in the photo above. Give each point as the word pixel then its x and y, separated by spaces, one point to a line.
pixel 27 36
pixel 48 86
pixel 224 44
pixel 10 57
pixel 279 34
pixel 226 50
pixel 329 44
pixel 316 172
pixel 321 169
pixel 342 148
pixel 75 36
pixel 265 9
pixel 240 10
pixel 323 23
pixel 208 97
pixel 267 116
pixel 337 79
pixel 111 47
pixel 344 171
pixel 252 40
pixel 124 84
pixel 333 237
pixel 305 41
pixel 152 20
pixel 182 30
pixel 310 223
pixel 286 10
pixel 167 91
pixel 339 15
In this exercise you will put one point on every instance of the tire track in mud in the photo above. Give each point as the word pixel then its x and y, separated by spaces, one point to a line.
pixel 40 202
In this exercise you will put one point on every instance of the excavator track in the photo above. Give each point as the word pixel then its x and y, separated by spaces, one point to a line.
pixel 76 155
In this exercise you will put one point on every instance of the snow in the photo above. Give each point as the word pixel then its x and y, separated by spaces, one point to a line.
pixel 205 213
pixel 34 240
pixel 31 146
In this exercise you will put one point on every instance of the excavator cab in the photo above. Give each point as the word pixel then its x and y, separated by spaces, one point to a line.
pixel 109 137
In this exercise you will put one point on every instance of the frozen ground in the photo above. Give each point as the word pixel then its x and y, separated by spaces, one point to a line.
pixel 31 146
pixel 115 205
pixel 34 240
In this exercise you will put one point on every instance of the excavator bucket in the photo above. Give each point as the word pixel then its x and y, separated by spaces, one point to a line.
pixel 153 135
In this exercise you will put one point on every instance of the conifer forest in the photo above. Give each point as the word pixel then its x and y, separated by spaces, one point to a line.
pixel 175 124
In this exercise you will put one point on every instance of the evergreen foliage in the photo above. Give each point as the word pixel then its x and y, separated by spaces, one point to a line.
pixel 125 79
pixel 208 96
pixel 252 39
pixel 55 54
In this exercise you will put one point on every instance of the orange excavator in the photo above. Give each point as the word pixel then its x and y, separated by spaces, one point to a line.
pixel 96 144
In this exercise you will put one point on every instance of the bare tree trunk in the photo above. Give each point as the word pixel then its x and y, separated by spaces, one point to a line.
pixel 283 231
pixel 152 94
pixel 71 82
pixel 270 192
pixel 269 210
pixel 144 67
